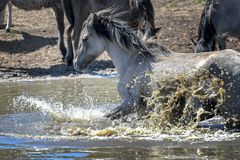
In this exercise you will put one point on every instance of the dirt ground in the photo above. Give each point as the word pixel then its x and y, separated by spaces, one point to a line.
pixel 30 49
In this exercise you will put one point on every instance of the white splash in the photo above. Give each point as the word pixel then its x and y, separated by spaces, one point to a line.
pixel 59 110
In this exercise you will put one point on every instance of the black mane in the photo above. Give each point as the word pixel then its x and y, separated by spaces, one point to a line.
pixel 206 30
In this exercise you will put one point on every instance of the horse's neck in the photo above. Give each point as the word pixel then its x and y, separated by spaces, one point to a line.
pixel 121 58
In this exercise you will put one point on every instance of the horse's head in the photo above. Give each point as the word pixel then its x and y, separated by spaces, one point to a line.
pixel 90 45
pixel 202 46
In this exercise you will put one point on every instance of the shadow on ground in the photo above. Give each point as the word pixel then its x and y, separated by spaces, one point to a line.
pixel 56 70
pixel 28 44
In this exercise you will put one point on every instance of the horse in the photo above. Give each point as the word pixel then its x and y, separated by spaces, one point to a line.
pixel 135 58
pixel 219 20
pixel 2 16
pixel 37 5
pixel 139 13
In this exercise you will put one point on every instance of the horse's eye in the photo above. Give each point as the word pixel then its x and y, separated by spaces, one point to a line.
pixel 85 39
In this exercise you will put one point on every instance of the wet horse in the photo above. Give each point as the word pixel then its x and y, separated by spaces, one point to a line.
pixel 219 20
pixel 138 13
pixel 134 58
pixel 37 5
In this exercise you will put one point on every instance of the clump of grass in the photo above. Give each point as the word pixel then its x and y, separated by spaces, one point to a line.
pixel 184 101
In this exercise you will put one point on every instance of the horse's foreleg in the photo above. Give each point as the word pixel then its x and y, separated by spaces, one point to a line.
pixel 129 105
pixel 9 21
pixel 69 56
pixel 59 15
pixel 78 28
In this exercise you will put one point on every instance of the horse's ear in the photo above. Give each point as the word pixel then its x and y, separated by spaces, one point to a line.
pixel 95 16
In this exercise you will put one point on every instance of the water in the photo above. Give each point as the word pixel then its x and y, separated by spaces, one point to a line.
pixel 64 119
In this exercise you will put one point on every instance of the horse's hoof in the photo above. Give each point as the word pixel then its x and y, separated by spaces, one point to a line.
pixel 68 61
pixel 8 30
pixel 114 116
pixel 63 53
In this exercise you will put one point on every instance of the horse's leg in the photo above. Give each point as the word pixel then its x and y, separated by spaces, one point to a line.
pixel 80 18
pixel 69 55
pixel 131 102
pixel 9 21
pixel 221 41
pixel 129 105
pixel 2 17
pixel 3 4
pixel 59 15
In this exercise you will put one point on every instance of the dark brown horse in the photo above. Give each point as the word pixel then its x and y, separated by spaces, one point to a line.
pixel 139 14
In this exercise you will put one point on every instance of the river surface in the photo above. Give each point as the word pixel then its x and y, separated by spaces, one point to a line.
pixel 63 118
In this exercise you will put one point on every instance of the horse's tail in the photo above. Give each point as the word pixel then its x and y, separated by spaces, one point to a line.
pixel 67 7
pixel 206 28
pixel 145 9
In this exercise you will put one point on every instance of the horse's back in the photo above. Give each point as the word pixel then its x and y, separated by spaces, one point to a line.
pixel 188 63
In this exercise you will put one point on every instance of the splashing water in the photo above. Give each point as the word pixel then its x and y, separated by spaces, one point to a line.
pixel 59 111
pixel 88 120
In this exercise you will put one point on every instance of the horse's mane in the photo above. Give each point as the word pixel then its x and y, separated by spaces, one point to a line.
pixel 108 26
pixel 145 9
pixel 206 28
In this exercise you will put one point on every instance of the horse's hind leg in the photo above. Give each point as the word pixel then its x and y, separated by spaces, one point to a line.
pixel 3 4
pixel 2 16
pixel 9 21
pixel 59 15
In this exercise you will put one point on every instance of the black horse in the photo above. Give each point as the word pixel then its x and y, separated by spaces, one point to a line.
pixel 220 19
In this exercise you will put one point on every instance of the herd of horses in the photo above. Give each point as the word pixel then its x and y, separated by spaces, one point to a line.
pixel 126 30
